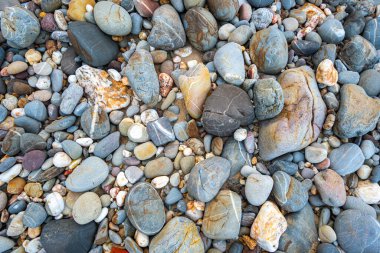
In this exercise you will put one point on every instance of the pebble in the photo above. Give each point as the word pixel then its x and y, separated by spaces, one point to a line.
pixel 160 131
pixel 6 244
pixel 112 19
pixel 87 208
pixel 142 194
pixel 258 188
pixel 72 148
pixel 330 187
pixel 54 204
pixel 369 192
pixel 327 234
pixel 34 215
pixel 367 81
pixel 215 171
pixel 107 145
pixel 315 154
pixel 261 18
pixel 224 10
pixel 346 159
pixel 290 24
pixel 332 31
pixel 162 166
pixel 88 175
pixel 268 98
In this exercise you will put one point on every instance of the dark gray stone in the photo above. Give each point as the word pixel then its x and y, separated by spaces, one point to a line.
pixel 369 80
pixel 332 31
pixel 95 124
pixel 50 5
pixel 167 32
pixel 268 98
pixel 70 98
pixel 30 125
pixel 260 3
pixel 160 131
pixel 346 159
pixel 11 142
pixel 68 63
pixel 60 124
pixel 143 77
pixel 207 177
pixel 36 110
pixel 34 215
pixel 354 24
pixel 29 141
pixel 285 166
pixel 227 109
pixel 107 145
pixel 93 46
pixel 327 51
pixel 235 152
pixel 305 47
pixel 70 236
pixel 145 208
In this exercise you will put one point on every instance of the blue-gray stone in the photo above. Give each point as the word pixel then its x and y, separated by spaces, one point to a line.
pixel 121 215
pixel 132 110
pixel 36 110
pixel 7 164
pixel 368 148
pixel 375 174
pixel 95 124
pixel 288 4
pixel 178 5
pixel 34 215
pixel 143 77
pixel 167 32
pixel 131 246
pixel 128 5
pixel 201 28
pixel 19 27
pixel 30 125
pixel 223 10
pixel 357 231
pixel 305 47
pixel 260 3
pixel 207 177
pixel 50 5
pixel 285 166
pixel 73 149
pixel 79 109
pixel 180 131
pixel 350 120
pixel 11 142
pixel 70 98
pixel 241 35
pixel 327 51
pixel 140 197
pixel 268 98
pixel 372 32
pixel 301 234
pixel 56 99
pixel 346 159
pixel 91 44
pixel 107 145
pixel 29 141
pixel 369 81
pixel 354 24
pixel 17 207
pixel 6 244
pixel 181 206
pixel 3 113
pixel 160 131
pixel 327 248
pixel 173 196
pixel 70 236
pixel 60 124
pixel 235 152
pixel 358 54
pixel 357 203
pixel 269 50
pixel 88 175
pixel 289 193
pixel 136 23
pixel 261 18
pixel 346 77
pixel 331 31
pixel 232 71
pixel 56 78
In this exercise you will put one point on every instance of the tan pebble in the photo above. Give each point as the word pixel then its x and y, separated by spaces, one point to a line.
pixel 33 56
pixel 326 73
pixel 217 146
pixel 34 232
pixel 77 9
pixel 33 190
pixel 16 185
pixel 16 67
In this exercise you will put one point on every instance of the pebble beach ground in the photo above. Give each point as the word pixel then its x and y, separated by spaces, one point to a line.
pixel 189 126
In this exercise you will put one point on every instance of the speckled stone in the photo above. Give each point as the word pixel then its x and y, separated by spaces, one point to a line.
pixel 223 10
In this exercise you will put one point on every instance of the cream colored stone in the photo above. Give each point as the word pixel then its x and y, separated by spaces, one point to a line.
pixel 326 73
pixel 369 192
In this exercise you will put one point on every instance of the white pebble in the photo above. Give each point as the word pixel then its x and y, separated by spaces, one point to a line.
pixel 175 179
pixel 17 112
pixel 187 152
pixel 240 134
pixel 10 102
pixel 61 159
pixel 47 164
pixel 102 215
pixel 127 153
pixel 192 63
pixel 89 8
pixel 141 239
pixel 57 57
pixel 72 79
pixel 121 180
pixel 120 198
pixel 54 203
pixel 160 182
pixel 148 116
pixel 364 172
pixel 114 74
pixel 9 174
pixel 33 246
pixel 84 142
pixel 43 83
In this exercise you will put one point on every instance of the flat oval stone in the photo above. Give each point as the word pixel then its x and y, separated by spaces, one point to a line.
pixel 179 235
pixel 36 110
pixel 6 244
pixel 223 10
pixel 70 236
pixel 89 42
pixel 232 71
pixel 60 124
pixel 87 208
pixel 95 123
pixel 167 32
pixel 88 175
pixel 258 188
pixel 73 149
pixel 331 31
pixel 145 209
pixel 330 187
pixel 34 215
pixel 19 26
pixel 346 159
pixel 70 98
pixel 368 80
pixel 68 63
pixel 201 28
pixel 143 77
pixel 112 19
pixel 33 160
pixel 207 177
pixel 145 151
pixel 226 109
pixel 107 145
pixel 227 207
pixel 235 152
pixel 269 50
pixel 50 5
pixel 160 131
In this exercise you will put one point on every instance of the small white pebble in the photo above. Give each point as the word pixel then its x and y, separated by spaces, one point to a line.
pixel 187 152
pixel 160 182
pixel 192 63
pixel 89 8
pixel 114 74
pixel 121 180
pixel 84 142
pixel 240 134
pixel 57 57
pixel 17 112
pixel 175 179
pixel 364 172
pixel 61 159
pixel 102 215
pixel 72 79
pixel 127 153
pixel 120 198
pixel 141 239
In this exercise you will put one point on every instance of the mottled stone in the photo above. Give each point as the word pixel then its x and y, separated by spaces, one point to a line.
pixel 262 18
pixel 223 10
pixel 167 32
pixel 86 208
pixel 235 152
pixel 268 227
pixel 146 8
pixel 91 44
pixel 332 31
pixel 145 209
pixel 95 123
pixel 350 119
pixel 19 26
pixel 34 215
pixel 143 77
pixel 207 177
pixel 160 131
pixel 326 73
pixel 70 236
pixel 88 175
pixel 269 50
pixel 268 98
pixel 227 109
pixel 330 187
pixel 222 216
pixel 112 19
pixel 11 142
pixel 288 192
pixel 358 54
pixel 195 85
pixel 179 235
pixel 302 122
